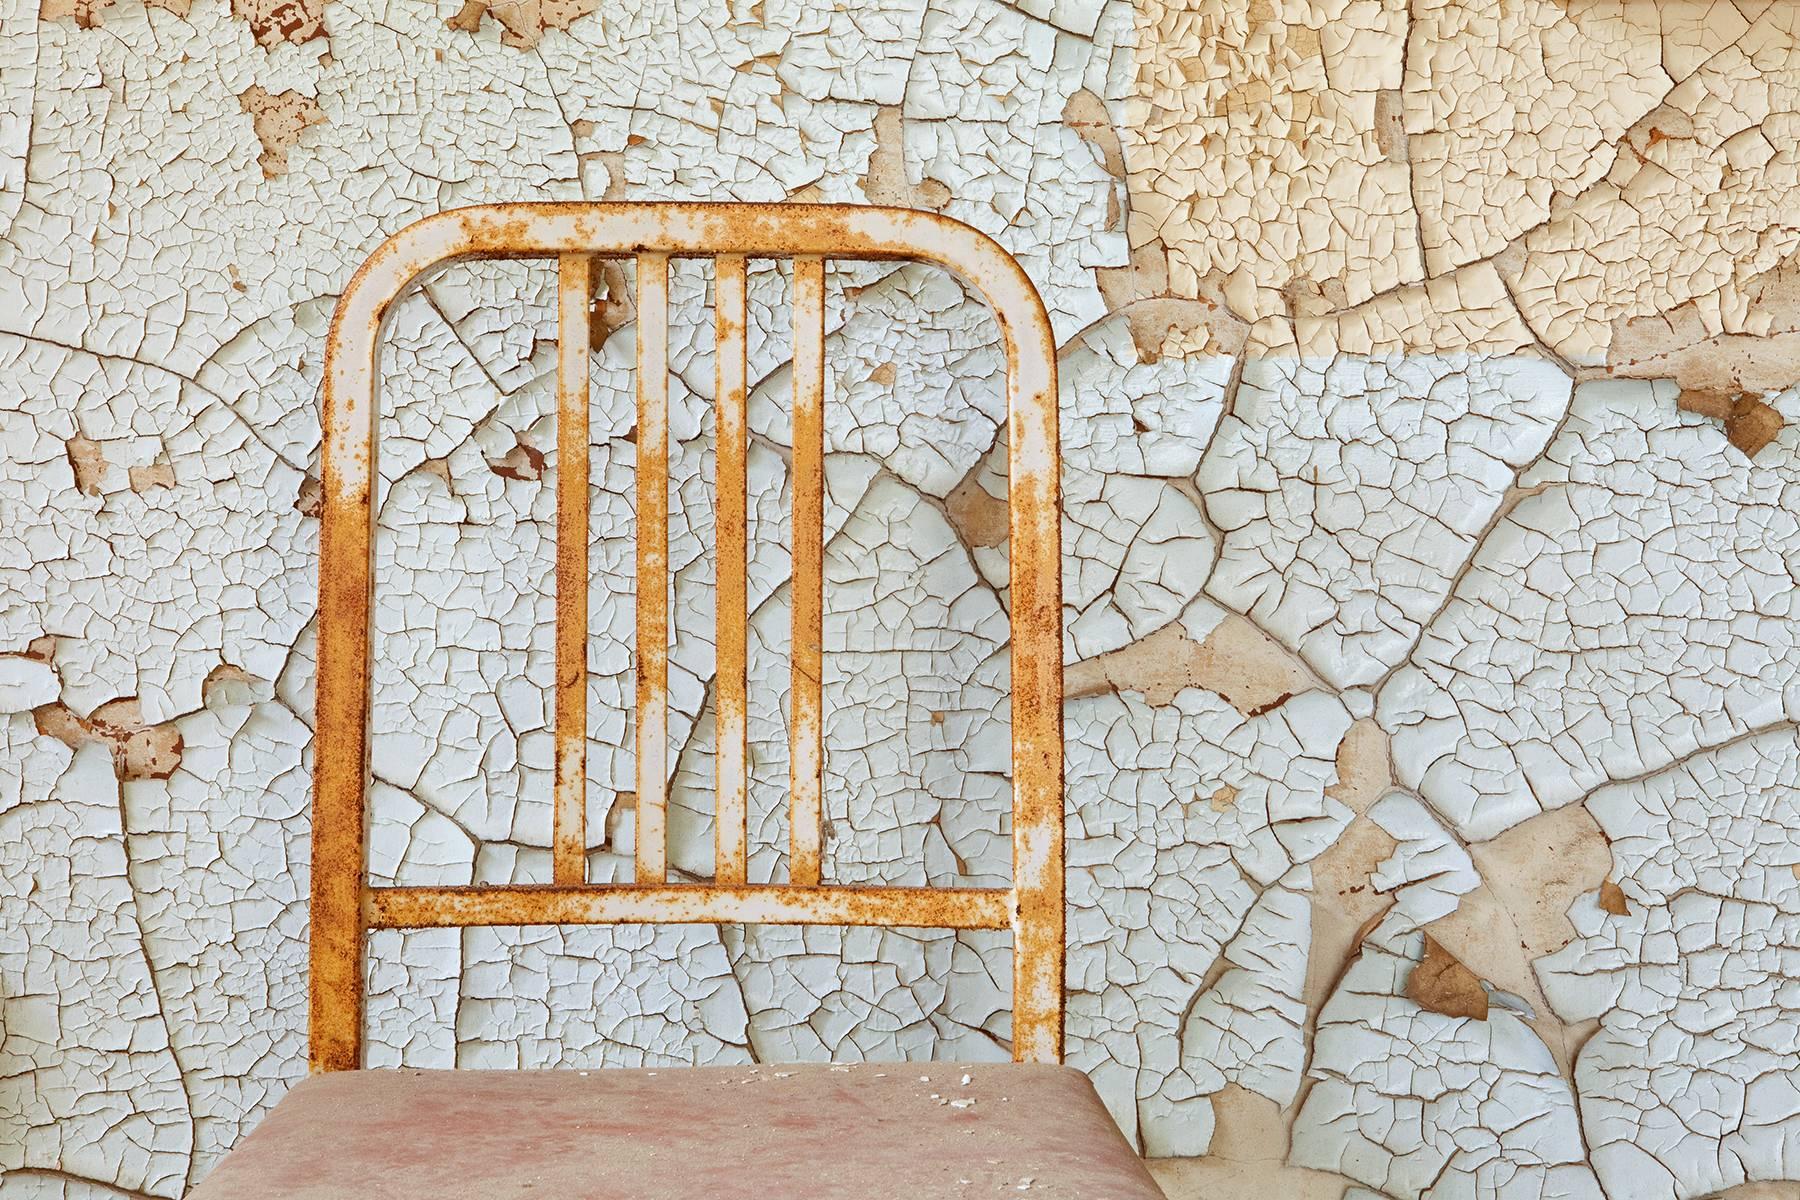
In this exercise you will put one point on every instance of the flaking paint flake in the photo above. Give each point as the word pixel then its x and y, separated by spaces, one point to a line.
pixel 1428 414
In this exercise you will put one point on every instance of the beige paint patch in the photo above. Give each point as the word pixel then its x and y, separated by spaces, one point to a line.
pixel 1467 310
pixel 1676 344
pixel 1697 207
pixel 1510 107
pixel 279 119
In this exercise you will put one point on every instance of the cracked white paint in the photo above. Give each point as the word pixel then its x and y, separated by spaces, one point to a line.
pixel 1428 872
pixel 18 80
pixel 1636 607
pixel 1415 219
pixel 1136 550
pixel 1699 970
pixel 1426 1106
pixel 1181 818
pixel 1352 490
pixel 91 1085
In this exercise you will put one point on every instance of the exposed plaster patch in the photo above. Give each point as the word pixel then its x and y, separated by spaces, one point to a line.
pixel 138 751
pixel 88 463
pixel 1244 1161
pixel 887 181
pixel 86 13
pixel 1750 424
pixel 279 119
pixel 1441 984
pixel 523 23
pixel 276 21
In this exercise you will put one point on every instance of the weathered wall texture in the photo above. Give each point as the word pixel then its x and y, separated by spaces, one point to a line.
pixel 1433 542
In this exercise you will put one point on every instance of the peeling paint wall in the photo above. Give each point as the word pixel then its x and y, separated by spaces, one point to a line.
pixel 1432 536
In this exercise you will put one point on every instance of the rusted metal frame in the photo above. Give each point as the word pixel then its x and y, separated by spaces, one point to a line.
pixel 806 717
pixel 615 230
pixel 731 529
pixel 651 832
pixel 574 302
pixel 773 904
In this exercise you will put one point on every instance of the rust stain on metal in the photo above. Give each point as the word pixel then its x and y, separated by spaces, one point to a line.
pixel 731 533
pixel 652 567
pixel 806 720
pixel 574 298
pixel 675 904
pixel 344 906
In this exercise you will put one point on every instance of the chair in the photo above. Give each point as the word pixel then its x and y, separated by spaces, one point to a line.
pixel 1030 1127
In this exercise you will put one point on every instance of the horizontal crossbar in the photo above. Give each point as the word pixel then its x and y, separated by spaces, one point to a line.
pixel 691 903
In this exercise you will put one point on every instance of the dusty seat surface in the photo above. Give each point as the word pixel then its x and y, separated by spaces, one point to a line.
pixel 868 1132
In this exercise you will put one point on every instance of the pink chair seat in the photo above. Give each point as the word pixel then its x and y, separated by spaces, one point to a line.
pixel 1029 1131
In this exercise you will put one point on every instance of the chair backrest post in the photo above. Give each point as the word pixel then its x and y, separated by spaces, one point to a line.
pixel 345 906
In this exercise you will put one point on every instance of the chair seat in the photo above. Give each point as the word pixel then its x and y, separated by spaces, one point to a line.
pixel 907 1131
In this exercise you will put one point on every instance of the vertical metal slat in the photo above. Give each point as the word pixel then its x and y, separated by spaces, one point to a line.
pixel 652 567
pixel 574 300
pixel 731 528
pixel 806 756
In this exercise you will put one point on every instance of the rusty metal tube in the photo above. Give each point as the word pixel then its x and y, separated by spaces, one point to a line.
pixel 574 302
pixel 806 717
pixel 651 834
pixel 731 529
pixel 628 904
